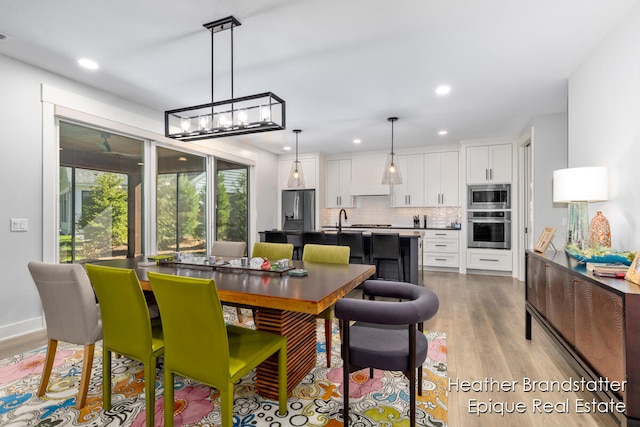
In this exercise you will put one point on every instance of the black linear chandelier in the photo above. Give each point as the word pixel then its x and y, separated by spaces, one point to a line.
pixel 236 116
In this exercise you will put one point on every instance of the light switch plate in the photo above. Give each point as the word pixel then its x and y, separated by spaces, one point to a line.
pixel 19 224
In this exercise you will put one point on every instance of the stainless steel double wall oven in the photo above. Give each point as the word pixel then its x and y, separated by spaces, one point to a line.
pixel 489 216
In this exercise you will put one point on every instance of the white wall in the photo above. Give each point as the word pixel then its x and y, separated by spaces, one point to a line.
pixel 604 125
pixel 550 153
pixel 267 194
pixel 21 169
pixel 21 177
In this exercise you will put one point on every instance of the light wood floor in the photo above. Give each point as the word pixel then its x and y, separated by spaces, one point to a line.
pixel 18 345
pixel 483 317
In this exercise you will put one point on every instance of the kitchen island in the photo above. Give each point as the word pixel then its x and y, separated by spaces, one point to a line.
pixel 410 247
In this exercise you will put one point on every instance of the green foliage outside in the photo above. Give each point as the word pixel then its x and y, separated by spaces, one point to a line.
pixel 180 214
pixel 103 221
pixel 180 217
pixel 239 210
pixel 223 210
pixel 232 209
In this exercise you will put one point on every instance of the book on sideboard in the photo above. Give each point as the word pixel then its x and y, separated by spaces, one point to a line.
pixel 607 267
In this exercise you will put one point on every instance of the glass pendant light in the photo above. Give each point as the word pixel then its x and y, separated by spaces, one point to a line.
pixel 296 176
pixel 392 174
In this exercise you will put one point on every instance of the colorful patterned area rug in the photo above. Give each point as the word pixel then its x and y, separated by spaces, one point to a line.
pixel 317 401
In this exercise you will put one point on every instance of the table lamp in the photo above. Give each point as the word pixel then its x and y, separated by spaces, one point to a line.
pixel 578 186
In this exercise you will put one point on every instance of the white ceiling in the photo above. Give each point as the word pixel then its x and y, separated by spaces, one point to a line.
pixel 342 66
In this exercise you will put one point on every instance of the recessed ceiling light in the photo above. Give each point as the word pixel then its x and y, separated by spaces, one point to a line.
pixel 182 159
pixel 442 132
pixel 286 148
pixel 443 90
pixel 89 64
pixel 357 141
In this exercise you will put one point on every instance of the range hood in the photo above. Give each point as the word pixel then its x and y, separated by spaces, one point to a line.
pixel 366 174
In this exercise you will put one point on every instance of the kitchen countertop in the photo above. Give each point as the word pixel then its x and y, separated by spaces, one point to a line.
pixel 410 243
pixel 403 232
pixel 393 227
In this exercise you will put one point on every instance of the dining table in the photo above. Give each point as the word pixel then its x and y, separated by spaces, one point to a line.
pixel 283 304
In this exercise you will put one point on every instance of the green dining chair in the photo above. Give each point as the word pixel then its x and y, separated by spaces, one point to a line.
pixel 272 251
pixel 326 254
pixel 126 328
pixel 199 345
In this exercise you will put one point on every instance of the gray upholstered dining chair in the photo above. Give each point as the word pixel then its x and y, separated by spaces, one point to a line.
pixel 386 334
pixel 230 249
pixel 72 315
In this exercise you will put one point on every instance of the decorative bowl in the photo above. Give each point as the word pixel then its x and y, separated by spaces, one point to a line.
pixel 600 254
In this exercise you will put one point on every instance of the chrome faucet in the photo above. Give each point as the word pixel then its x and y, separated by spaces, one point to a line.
pixel 340 219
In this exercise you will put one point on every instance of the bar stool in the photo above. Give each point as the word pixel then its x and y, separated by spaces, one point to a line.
pixel 313 238
pixel 355 240
pixel 275 236
pixel 386 247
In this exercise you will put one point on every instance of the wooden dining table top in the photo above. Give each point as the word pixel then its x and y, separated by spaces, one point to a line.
pixel 321 288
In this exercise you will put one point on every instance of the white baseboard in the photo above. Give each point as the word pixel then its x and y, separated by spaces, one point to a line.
pixel 20 328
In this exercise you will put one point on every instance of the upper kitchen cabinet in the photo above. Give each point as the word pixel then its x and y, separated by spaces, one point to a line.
pixel 441 179
pixel 489 164
pixel 339 184
pixel 411 192
pixel 309 168
pixel 366 174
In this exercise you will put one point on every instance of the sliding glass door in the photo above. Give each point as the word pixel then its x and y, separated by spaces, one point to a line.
pixel 101 207
pixel 181 195
pixel 101 199
pixel 232 201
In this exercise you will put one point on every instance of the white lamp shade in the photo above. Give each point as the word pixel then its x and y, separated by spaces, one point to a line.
pixel 588 184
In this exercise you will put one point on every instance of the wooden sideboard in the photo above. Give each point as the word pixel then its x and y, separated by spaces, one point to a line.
pixel 594 321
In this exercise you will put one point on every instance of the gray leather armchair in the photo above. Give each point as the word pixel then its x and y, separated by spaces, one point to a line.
pixel 386 334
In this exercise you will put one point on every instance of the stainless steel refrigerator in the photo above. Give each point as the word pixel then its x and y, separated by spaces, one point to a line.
pixel 298 209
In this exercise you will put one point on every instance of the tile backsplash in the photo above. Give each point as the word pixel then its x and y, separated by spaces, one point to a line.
pixel 377 210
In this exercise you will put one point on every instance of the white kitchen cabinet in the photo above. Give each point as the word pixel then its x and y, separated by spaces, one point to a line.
pixel 441 248
pixel 411 192
pixel 441 179
pixel 309 168
pixel 366 174
pixel 339 184
pixel 489 164
pixel 489 259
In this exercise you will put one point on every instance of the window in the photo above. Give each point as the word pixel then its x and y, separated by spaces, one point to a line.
pixel 232 201
pixel 181 202
pixel 100 194
pixel 101 203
